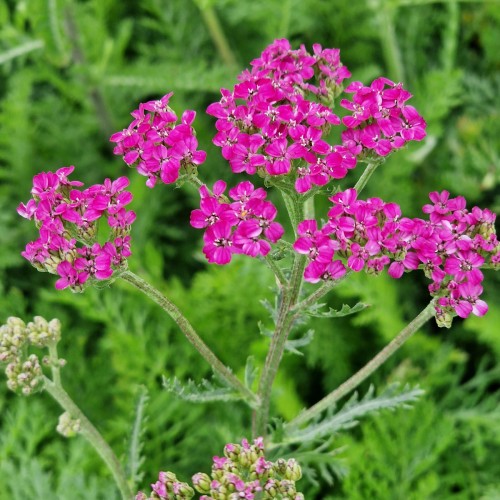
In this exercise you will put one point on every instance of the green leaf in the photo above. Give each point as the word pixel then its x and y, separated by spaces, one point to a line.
pixel 271 309
pixel 292 345
pixel 204 392
pixel 346 310
pixel 250 372
pixel 348 416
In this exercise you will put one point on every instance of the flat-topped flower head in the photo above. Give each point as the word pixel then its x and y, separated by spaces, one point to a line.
pixel 157 145
pixel 451 247
pixel 274 121
pixel 245 226
pixel 68 222
pixel 380 121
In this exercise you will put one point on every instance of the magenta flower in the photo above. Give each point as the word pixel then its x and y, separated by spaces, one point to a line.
pixel 61 210
pixel 218 240
pixel 157 145
pixel 69 276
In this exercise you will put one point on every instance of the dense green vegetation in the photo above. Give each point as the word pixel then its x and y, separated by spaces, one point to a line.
pixel 71 71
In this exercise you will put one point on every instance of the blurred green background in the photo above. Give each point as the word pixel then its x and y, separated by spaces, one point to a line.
pixel 70 73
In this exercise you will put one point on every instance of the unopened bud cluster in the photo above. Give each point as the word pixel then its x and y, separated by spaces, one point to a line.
pixel 68 426
pixel 243 472
pixel 41 332
pixel 167 488
pixel 23 370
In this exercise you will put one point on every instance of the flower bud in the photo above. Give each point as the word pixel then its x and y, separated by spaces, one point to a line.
pixel 201 482
pixel 67 426
pixel 293 470
pixel 25 376
pixel 287 487
pixel 232 451
pixel 271 488
pixel 444 318
pixel 280 466
pixel 13 337
pixel 41 332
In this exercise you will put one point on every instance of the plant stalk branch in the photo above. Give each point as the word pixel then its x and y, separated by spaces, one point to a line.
pixel 92 435
pixel 360 376
pixel 187 329
pixel 365 176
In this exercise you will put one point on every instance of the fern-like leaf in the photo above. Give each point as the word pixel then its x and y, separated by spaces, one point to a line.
pixel 204 392
pixel 315 310
pixel 348 416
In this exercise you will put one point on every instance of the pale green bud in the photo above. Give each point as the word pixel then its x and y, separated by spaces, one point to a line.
pixel 444 318
pixel 293 470
pixel 42 332
pixel 280 466
pixel 67 426
pixel 13 337
pixel 201 482
pixel 25 376
pixel 287 488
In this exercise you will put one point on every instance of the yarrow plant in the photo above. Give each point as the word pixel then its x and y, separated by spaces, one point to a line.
pixel 274 125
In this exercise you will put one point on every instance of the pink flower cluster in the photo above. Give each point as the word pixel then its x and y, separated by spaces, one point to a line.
pixel 244 472
pixel 380 121
pixel 363 233
pixel 158 146
pixel 168 487
pixel 369 235
pixel 68 220
pixel 451 247
pixel 244 226
pixel 266 123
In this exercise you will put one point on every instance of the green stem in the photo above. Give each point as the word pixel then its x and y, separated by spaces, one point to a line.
pixel 190 333
pixel 365 176
pixel 284 321
pixel 292 205
pixel 92 435
pixel 54 363
pixel 360 376
pixel 319 293
pixel 278 273
pixel 217 33
pixel 284 324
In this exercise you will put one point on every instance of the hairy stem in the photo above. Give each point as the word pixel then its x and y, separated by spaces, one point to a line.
pixel 284 324
pixel 54 363
pixel 92 435
pixel 360 376
pixel 187 329
pixel 278 273
pixel 284 321
pixel 365 176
